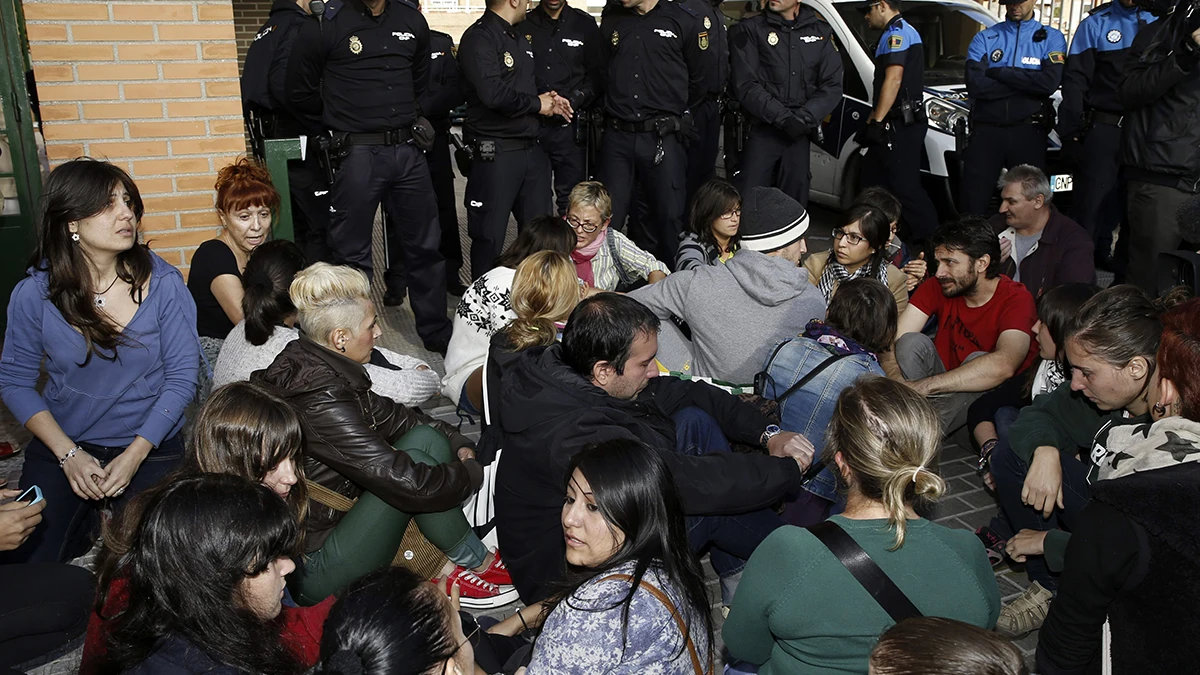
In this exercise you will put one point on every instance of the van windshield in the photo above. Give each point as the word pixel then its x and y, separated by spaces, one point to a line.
pixel 946 31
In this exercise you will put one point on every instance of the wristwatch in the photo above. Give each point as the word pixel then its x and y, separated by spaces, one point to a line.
pixel 772 431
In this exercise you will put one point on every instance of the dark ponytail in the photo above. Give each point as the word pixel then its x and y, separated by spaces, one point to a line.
pixel 269 273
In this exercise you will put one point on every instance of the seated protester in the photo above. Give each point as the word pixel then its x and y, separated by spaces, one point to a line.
pixel 1043 477
pixel 931 645
pixel 600 384
pixel 270 323
pixel 206 566
pixel 712 235
pixel 761 294
pixel 636 600
pixel 605 259
pixel 351 438
pixel 392 622
pixel 486 307
pixel 984 324
pixel 860 325
pixel 992 414
pixel 882 439
pixel 859 250
pixel 245 430
pixel 246 202
pixel 1039 246
pixel 898 253
pixel 116 330
pixel 44 605
pixel 1132 565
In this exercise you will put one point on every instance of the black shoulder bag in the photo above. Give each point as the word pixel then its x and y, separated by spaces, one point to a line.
pixel 865 570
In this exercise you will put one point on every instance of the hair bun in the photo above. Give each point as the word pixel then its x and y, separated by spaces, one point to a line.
pixel 243 170
pixel 345 662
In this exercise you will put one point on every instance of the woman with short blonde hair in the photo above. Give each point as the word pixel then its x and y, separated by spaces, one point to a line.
pixel 605 258
pixel 883 440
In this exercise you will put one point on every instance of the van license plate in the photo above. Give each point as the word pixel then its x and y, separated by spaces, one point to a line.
pixel 1062 183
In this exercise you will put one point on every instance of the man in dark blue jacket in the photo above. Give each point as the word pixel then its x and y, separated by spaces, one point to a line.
pixel 1012 70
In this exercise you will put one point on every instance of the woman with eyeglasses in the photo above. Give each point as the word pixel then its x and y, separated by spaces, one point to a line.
pixel 713 226
pixel 859 250
pixel 605 259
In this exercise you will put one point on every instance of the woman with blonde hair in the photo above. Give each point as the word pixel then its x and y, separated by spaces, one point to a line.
pixel 883 440
pixel 545 291
pixel 351 440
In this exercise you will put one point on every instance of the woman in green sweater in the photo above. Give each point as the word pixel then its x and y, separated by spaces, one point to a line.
pixel 798 609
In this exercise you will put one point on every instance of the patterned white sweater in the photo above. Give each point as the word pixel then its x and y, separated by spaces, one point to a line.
pixel 485 309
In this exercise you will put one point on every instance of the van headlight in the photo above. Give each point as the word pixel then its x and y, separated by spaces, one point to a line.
pixel 943 115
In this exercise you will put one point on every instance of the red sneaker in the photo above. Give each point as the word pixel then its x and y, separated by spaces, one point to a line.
pixel 497 572
pixel 475 593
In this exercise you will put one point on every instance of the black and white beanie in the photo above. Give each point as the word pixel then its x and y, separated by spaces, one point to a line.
pixel 771 220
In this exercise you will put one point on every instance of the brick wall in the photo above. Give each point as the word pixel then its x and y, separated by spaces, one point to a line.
pixel 151 86
pixel 248 16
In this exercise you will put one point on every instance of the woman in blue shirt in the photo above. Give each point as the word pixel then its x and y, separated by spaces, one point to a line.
pixel 116 328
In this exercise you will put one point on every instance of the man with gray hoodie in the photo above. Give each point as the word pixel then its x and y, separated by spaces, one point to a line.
pixel 738 310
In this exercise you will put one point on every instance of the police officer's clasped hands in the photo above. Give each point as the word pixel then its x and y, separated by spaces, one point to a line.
pixel 553 104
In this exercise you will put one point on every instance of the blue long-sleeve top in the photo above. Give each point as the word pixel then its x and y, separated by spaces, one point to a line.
pixel 1013 67
pixel 107 402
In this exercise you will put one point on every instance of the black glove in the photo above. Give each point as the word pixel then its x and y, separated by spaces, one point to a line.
pixel 1072 152
pixel 795 128
pixel 423 134
pixel 872 133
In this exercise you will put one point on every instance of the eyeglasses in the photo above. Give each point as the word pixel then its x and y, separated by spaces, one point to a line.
pixel 470 637
pixel 731 215
pixel 577 224
pixel 854 239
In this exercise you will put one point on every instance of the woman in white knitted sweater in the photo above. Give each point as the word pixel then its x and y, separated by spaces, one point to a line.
pixel 269 324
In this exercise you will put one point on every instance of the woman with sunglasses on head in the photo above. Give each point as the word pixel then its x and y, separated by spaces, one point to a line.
pixel 116 329
pixel 859 250
pixel 605 259
pixel 712 235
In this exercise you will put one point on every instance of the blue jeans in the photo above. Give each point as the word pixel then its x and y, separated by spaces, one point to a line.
pixel 69 522
pixel 729 539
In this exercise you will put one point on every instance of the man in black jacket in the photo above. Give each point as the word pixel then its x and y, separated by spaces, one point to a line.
pixel 601 384
pixel 1160 90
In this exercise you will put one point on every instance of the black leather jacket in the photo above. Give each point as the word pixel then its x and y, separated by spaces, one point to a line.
pixel 348 436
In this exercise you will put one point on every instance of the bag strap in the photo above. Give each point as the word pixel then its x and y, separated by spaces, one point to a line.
pixel 662 597
pixel 810 376
pixel 865 570
pixel 323 495
pixel 624 278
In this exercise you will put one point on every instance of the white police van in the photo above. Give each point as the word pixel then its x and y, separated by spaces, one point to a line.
pixel 946 28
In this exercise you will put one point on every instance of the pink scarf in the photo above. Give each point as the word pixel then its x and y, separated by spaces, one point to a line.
pixel 582 258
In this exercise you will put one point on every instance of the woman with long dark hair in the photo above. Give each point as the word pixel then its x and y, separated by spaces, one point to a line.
pixel 859 250
pixel 713 221
pixel 206 566
pixel 116 328
pixel 638 598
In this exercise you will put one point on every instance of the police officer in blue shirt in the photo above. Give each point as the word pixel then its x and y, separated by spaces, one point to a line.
pixel 895 132
pixel 1012 69
pixel 1090 116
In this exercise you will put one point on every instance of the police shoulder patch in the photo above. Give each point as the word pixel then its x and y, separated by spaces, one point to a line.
pixel 703 40
pixel 1057 57
pixel 997 54
pixel 1114 36
pixel 895 41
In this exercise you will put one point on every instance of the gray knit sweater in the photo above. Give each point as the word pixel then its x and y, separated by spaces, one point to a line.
pixel 737 312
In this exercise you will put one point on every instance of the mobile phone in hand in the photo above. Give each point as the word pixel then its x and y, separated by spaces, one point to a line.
pixel 31 496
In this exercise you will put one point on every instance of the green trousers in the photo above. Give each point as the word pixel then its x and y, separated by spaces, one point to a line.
pixel 368 536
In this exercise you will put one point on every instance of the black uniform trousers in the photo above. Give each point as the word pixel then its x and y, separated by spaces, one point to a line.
pixel 568 160
pixel 441 171
pixel 309 194
pixel 398 176
pixel 626 160
pixel 991 149
pixel 770 158
pixel 1099 191
pixel 1153 228
pixel 702 153
pixel 516 182
pixel 899 170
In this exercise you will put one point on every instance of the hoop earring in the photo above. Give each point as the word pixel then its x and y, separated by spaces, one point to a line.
pixel 1160 409
pixel 342 349
pixel 75 236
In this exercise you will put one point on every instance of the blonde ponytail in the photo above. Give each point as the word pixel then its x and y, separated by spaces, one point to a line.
pixel 545 290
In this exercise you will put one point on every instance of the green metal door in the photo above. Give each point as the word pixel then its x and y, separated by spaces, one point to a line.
pixel 20 175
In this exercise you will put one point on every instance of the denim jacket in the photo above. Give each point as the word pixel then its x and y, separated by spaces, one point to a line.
pixel 809 409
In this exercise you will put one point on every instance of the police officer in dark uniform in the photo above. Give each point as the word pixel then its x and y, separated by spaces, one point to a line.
pixel 895 132
pixel 566 51
pixel 706 115
pixel 443 95
pixel 1012 69
pixel 655 71
pixel 509 171
pixel 364 69
pixel 265 103
pixel 787 75
pixel 1090 116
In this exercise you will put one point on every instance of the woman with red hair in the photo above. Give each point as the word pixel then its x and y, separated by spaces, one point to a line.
pixel 246 201
pixel 1129 596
